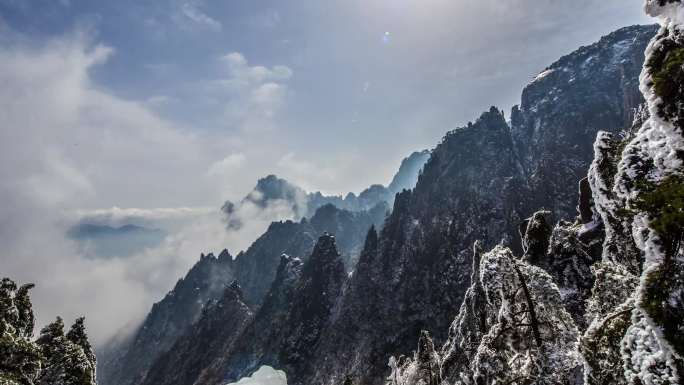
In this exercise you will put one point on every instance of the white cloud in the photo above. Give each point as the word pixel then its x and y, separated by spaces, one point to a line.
pixel 307 174
pixel 241 71
pixel 66 145
pixel 267 99
pixel 227 165
pixel 191 11
pixel 297 166
pixel 255 93
pixel 235 59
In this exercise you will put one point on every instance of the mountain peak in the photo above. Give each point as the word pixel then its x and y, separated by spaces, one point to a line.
pixel 407 175
pixel 225 255
pixel 325 247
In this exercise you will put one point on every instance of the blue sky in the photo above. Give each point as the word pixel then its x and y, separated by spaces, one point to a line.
pixel 163 109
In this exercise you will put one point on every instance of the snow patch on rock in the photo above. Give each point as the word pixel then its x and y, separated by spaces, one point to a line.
pixel 266 375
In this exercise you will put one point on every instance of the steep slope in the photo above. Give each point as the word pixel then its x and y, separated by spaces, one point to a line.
pixel 641 199
pixel 254 345
pixel 281 334
pixel 168 319
pixel 407 176
pixel 221 323
pixel 630 330
pixel 479 183
pixel 522 317
pixel 313 300
pixel 349 228
pixel 417 272
pixel 635 315
pixel 521 333
pixel 594 88
pixel 254 269
pixel 258 264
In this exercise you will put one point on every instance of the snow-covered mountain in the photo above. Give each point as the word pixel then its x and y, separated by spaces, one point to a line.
pixel 594 298
pixel 521 321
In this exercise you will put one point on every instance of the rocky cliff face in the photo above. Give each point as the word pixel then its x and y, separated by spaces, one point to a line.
pixel 254 269
pixel 409 170
pixel 258 264
pixel 168 320
pixel 256 344
pixel 418 270
pixel 221 322
pixel 480 183
pixel 349 228
pixel 594 88
pixel 295 313
pixel 630 331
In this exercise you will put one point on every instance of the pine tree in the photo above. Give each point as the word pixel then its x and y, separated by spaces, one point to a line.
pixel 8 311
pixel 22 301
pixel 51 338
pixel 77 335
pixel 19 356
pixel 69 360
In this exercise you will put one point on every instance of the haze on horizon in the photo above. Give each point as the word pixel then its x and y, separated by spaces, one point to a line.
pixel 166 109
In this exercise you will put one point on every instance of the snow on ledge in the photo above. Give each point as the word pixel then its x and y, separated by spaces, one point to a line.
pixel 266 375
pixel 542 75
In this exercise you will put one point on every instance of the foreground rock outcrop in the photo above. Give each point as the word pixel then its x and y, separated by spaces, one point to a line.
pixel 631 330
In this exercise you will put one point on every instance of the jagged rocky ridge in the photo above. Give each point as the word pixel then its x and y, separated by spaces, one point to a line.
pixel 128 361
pixel 632 328
pixel 215 332
pixel 281 334
pixel 281 194
pixel 480 183
pixel 476 185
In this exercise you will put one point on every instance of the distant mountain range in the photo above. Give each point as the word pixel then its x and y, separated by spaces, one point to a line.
pixel 102 241
pixel 272 190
